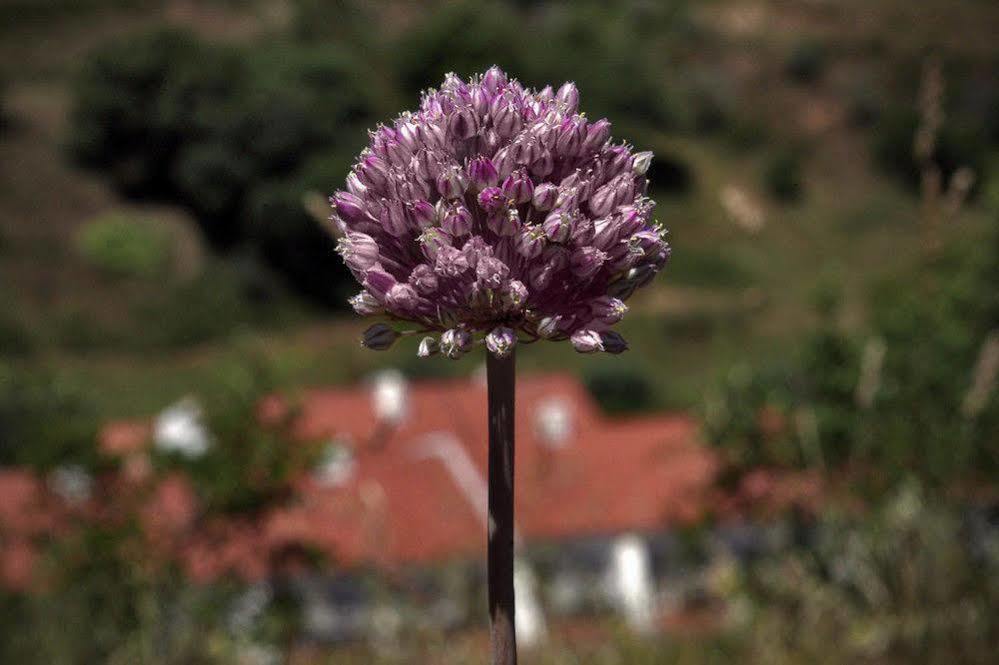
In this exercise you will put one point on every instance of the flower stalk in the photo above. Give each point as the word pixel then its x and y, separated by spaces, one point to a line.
pixel 502 636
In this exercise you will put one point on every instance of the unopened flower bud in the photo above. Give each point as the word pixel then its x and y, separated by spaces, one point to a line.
pixel 544 196
pixel 501 341
pixel 558 225
pixel 424 214
pixel 359 251
pixel 379 337
pixel 568 95
pixel 596 135
pixel 518 187
pixel 608 310
pixel 612 342
pixel 482 173
pixel 455 343
pixel 365 304
pixel 587 341
pixel 549 326
pixel 492 200
pixel 428 347
pixel 457 221
pixel 587 261
pixel 378 282
pixel 641 162
pixel 452 183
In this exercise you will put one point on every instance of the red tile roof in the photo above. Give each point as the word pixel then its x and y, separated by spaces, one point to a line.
pixel 610 476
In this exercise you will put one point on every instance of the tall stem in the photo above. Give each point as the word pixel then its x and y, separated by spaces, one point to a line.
pixel 502 638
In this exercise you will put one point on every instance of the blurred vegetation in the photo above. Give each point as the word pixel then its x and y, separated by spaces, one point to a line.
pixel 808 111
pixel 123 247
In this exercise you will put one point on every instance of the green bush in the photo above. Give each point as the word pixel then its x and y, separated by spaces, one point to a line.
pixel 910 583
pixel 122 246
pixel 782 176
pixel 620 388
pixel 807 62
pixel 45 420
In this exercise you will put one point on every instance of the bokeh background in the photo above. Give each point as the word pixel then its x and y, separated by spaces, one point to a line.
pixel 822 351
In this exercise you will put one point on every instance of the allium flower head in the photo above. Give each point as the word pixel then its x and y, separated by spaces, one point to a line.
pixel 496 212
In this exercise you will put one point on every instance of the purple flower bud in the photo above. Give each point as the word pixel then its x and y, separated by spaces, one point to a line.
pixel 395 217
pixel 432 241
pixel 409 135
pixel 493 80
pixel 549 326
pixel 531 242
pixel 492 200
pixel 558 225
pixel 608 310
pixel 355 186
pixel 491 272
pixel 463 123
pixel 482 173
pixel 423 279
pixel 543 166
pixel 505 224
pixel 518 187
pixel 501 341
pixel 451 262
pixel 570 139
pixel 641 162
pixel 587 261
pixel 602 201
pixel 455 342
pixel 378 282
pixel 359 251
pixel 582 231
pixel 457 221
pixel 349 206
pixel 373 172
pixel 365 304
pixel 506 117
pixel 427 348
pixel 568 96
pixel 597 135
pixel 544 196
pixel 516 293
pixel 619 162
pixel 587 341
pixel 402 298
pixel 379 337
pixel 612 342
pixel 423 214
pixel 480 100
pixel 505 161
pixel 452 183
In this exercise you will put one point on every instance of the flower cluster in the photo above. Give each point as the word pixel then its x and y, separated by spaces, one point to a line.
pixel 501 210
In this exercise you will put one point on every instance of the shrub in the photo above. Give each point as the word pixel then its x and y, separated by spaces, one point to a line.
pixel 122 246
pixel 620 388
pixel 807 62
pixel 782 176
pixel 44 420
pixel 138 100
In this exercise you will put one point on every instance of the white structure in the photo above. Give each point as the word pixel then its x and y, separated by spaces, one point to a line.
pixel 180 429
pixel 529 619
pixel 630 582
pixel 72 483
pixel 553 421
pixel 337 465
pixel 389 396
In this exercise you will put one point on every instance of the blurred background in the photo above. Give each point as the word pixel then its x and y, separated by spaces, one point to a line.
pixel 796 463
